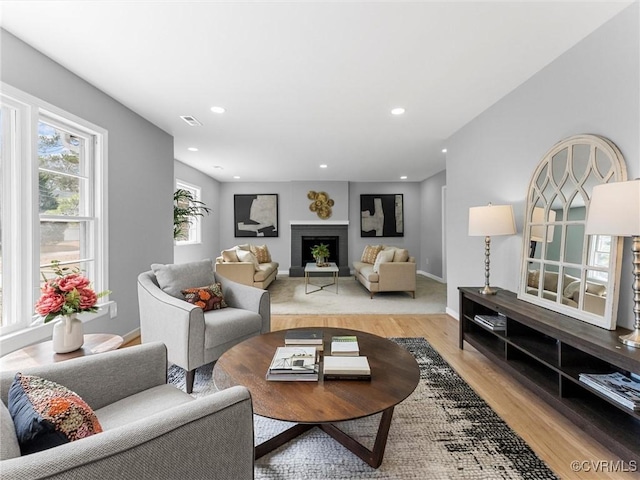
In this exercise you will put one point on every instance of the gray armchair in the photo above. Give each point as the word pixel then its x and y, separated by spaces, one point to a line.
pixel 193 337
pixel 151 430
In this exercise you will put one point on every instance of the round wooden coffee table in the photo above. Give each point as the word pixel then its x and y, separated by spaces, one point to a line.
pixel 43 354
pixel 394 376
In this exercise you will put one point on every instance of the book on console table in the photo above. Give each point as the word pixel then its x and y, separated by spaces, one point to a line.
pixel 616 386
pixel 303 337
pixel 345 345
pixel 346 368
pixel 492 322
pixel 294 364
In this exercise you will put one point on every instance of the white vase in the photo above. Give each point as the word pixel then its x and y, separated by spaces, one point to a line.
pixel 68 334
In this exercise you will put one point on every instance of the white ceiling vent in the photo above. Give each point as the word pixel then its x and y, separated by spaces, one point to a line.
pixel 192 121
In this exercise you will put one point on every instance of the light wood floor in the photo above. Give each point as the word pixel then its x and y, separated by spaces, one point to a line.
pixel 553 437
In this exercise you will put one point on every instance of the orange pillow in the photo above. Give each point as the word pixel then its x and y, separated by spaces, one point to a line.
pixel 207 298
pixel 47 414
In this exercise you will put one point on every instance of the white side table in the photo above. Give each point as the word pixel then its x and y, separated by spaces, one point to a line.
pixel 311 267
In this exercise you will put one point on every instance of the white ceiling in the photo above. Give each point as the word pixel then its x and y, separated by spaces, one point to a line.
pixel 306 83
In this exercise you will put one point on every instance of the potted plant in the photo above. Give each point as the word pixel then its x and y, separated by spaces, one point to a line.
pixel 185 208
pixel 65 296
pixel 320 253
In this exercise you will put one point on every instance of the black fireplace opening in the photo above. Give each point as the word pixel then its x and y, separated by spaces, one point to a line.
pixel 305 236
pixel 309 241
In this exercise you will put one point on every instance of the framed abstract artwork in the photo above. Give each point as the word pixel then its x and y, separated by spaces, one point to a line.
pixel 255 215
pixel 382 215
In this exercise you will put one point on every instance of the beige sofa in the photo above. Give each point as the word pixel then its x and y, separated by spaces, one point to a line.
pixel 386 269
pixel 248 264
pixel 595 298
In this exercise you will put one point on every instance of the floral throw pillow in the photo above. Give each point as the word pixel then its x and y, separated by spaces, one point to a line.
pixel 207 298
pixel 46 414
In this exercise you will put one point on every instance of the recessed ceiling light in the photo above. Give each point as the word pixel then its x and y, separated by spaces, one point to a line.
pixel 403 177
pixel 324 165
pixel 397 111
pixel 444 150
pixel 192 149
pixel 217 109
pixel 237 177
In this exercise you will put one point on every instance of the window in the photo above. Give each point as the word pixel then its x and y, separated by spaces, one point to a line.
pixel 190 231
pixel 52 201
pixel 599 255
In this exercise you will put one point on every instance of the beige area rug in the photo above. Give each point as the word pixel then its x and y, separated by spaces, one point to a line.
pixel 288 297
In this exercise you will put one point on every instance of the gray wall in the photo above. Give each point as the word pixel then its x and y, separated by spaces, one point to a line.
pixel 140 172
pixel 337 191
pixel 431 225
pixel 293 205
pixel 278 246
pixel 592 88
pixel 412 220
pixel 210 242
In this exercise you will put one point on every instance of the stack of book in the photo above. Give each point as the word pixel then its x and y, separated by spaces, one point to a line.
pixel 294 364
pixel 345 345
pixel 616 386
pixel 300 338
pixel 346 368
pixel 492 322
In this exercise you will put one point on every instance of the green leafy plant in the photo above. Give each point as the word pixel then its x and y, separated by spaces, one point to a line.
pixel 321 250
pixel 185 209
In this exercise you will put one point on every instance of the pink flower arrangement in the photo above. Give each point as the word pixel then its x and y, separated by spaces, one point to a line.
pixel 69 292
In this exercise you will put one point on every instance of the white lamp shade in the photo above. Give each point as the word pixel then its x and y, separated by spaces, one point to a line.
pixel 491 220
pixel 614 209
pixel 537 231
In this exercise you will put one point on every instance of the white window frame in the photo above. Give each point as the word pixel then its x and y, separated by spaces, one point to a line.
pixel 21 220
pixel 600 273
pixel 194 236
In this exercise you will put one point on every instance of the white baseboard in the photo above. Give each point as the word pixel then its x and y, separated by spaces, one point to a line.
pixel 430 275
pixel 452 313
pixel 131 335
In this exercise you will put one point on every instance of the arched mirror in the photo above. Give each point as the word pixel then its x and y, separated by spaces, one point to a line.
pixel 563 269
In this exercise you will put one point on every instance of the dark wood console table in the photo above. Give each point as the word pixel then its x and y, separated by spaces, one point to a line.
pixel 546 351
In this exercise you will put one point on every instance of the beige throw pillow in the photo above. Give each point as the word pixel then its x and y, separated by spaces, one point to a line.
pixel 370 253
pixel 230 255
pixel 400 255
pixel 246 256
pixel 261 252
pixel 384 256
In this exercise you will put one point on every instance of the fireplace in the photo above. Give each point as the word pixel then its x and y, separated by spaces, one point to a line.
pixel 330 240
pixel 303 237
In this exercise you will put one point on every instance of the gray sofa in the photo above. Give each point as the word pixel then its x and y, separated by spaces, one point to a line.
pixel 152 430
pixel 194 337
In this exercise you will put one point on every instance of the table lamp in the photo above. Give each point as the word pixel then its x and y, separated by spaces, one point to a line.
pixel 488 221
pixel 614 210
pixel 541 233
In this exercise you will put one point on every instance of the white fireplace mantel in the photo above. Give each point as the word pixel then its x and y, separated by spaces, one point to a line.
pixel 319 222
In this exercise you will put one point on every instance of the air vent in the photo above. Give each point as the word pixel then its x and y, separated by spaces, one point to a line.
pixel 192 121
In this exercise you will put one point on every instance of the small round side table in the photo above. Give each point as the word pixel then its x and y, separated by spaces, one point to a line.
pixel 42 353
